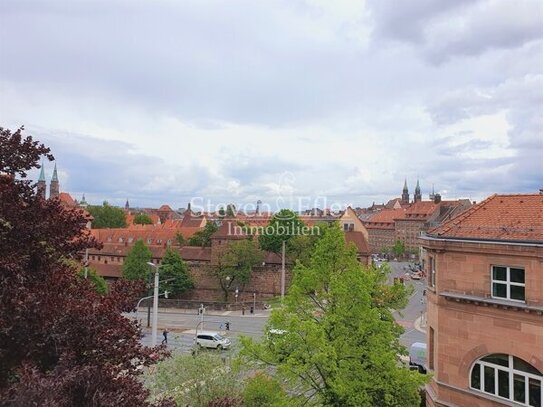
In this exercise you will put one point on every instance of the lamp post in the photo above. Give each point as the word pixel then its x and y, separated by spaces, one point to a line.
pixel 155 305
pixel 88 226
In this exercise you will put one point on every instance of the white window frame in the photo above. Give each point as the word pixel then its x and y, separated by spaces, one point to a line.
pixel 511 371
pixel 508 283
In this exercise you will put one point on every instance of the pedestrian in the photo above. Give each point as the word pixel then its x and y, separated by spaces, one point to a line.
pixel 242 310
pixel 165 334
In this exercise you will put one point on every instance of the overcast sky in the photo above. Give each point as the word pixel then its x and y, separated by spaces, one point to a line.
pixel 234 101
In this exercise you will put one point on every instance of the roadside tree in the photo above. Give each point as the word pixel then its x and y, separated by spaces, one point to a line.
pixel 235 264
pixel 202 238
pixel 335 341
pixel 175 269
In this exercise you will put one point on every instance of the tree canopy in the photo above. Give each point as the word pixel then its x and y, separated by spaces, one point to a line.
pixel 335 340
pixel 203 237
pixel 135 265
pixel 283 226
pixel 107 216
pixel 235 264
pixel 142 219
pixel 175 269
pixel 99 283
pixel 61 343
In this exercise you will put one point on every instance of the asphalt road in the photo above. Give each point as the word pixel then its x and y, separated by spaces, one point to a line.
pixel 182 324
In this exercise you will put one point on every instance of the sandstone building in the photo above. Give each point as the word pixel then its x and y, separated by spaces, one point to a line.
pixel 485 305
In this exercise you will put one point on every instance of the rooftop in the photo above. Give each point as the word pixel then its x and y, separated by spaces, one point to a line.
pixel 499 217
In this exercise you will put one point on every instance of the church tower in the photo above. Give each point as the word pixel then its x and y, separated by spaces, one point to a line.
pixel 405 193
pixel 54 188
pixel 42 187
pixel 418 195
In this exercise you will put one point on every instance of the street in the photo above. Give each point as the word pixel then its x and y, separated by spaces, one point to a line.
pixel 182 323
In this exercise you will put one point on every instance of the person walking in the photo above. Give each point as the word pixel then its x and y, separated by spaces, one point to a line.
pixel 165 334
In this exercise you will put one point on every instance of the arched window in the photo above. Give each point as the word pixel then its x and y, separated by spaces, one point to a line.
pixel 508 377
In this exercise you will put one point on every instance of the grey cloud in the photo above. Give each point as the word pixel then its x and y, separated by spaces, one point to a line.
pixel 445 29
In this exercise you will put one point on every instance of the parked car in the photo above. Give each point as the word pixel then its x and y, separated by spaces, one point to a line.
pixel 212 340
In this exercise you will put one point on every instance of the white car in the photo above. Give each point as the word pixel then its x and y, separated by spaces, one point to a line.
pixel 212 340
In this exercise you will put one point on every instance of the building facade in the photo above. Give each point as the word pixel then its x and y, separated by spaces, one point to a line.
pixel 485 305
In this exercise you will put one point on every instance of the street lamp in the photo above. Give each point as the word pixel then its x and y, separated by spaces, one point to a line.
pixel 155 305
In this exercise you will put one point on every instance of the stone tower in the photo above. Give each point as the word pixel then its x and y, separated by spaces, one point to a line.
pixel 42 187
pixel 418 195
pixel 405 193
pixel 54 188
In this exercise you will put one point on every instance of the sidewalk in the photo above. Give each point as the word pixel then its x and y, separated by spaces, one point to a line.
pixel 218 313
pixel 420 323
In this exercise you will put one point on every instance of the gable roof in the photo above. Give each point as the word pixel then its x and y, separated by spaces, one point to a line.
pixel 359 240
pixel 500 217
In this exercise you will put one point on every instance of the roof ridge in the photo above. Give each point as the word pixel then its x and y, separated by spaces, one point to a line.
pixel 463 215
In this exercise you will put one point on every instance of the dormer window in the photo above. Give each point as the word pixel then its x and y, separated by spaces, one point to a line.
pixel 121 240
pixel 149 241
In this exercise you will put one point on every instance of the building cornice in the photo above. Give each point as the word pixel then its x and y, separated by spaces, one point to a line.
pixel 528 243
pixel 493 302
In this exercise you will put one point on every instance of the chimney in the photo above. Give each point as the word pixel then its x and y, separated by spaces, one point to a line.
pixel 437 198
pixel 540 191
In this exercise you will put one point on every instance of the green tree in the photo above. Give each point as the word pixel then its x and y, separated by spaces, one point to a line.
pixel 203 237
pixel 107 216
pixel 235 264
pixel 181 241
pixel 135 265
pixel 142 219
pixel 300 247
pixel 339 344
pixel 263 391
pixel 399 248
pixel 284 226
pixel 99 283
pixel 173 267
pixel 194 380
pixel 222 212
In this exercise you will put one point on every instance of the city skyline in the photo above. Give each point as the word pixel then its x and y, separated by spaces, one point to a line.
pixel 158 103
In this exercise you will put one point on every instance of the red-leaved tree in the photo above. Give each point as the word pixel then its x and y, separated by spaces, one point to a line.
pixel 61 343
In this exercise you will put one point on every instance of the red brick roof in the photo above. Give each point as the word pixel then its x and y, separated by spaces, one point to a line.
pixel 421 209
pixel 386 216
pixel 165 208
pixel 189 220
pixel 359 241
pixel 230 229
pixel 66 199
pixel 499 217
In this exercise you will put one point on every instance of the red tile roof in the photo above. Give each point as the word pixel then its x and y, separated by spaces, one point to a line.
pixel 230 229
pixel 66 199
pixel 499 217
pixel 385 216
pixel 421 209
pixel 359 241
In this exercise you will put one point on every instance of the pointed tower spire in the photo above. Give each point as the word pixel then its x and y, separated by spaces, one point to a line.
pixel 54 188
pixel 405 193
pixel 41 187
pixel 42 173
pixel 55 176
pixel 418 195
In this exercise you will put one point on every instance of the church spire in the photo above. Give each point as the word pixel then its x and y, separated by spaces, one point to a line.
pixel 55 176
pixel 42 174
pixel 54 188
pixel 41 187
pixel 418 195
pixel 405 193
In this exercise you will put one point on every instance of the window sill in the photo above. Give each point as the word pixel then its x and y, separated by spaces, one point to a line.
pixel 494 302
